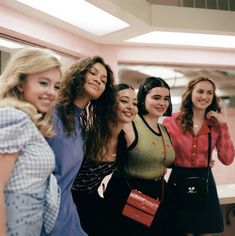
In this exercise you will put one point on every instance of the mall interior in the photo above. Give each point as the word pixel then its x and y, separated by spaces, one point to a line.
pixel 172 39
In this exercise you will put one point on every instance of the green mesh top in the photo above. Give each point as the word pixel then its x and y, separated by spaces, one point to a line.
pixel 145 159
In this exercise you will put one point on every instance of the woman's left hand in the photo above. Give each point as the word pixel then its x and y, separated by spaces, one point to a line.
pixel 212 163
pixel 216 116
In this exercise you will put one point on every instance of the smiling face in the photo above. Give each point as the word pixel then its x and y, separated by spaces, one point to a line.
pixel 157 102
pixel 202 95
pixel 96 79
pixel 127 105
pixel 41 89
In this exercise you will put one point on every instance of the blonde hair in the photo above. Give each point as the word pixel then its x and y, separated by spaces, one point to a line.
pixel 26 62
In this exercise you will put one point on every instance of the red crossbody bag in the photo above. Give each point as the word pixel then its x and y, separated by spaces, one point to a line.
pixel 141 207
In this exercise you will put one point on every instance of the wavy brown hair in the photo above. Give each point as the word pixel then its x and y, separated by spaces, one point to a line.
pixel 186 111
pixel 98 114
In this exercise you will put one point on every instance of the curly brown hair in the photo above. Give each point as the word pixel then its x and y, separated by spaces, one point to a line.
pixel 99 113
pixel 186 112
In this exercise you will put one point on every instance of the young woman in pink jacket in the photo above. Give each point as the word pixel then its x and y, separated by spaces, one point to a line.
pixel 200 114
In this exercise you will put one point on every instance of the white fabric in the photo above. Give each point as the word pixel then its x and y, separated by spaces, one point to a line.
pixel 104 185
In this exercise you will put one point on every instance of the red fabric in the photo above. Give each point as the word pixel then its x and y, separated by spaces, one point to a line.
pixel 141 208
pixel 191 151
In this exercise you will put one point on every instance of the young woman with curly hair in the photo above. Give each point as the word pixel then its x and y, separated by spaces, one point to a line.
pixel 96 166
pixel 200 114
pixel 86 101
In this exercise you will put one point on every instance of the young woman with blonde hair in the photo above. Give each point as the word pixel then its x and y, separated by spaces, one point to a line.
pixel 29 195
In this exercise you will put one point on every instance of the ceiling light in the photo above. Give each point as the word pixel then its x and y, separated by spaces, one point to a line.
pixel 79 13
pixel 185 39
pixel 165 73
pixel 9 44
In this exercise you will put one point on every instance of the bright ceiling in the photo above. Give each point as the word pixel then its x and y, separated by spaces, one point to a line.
pixel 142 16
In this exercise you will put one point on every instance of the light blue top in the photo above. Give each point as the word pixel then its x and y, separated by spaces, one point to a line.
pixel 69 156
pixel 31 180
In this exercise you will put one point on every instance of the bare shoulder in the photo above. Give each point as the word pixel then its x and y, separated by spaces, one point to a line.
pixel 129 133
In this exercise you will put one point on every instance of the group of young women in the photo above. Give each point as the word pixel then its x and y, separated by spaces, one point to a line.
pixel 69 132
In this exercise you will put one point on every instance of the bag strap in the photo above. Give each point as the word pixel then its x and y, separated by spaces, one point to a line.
pixel 164 163
pixel 209 153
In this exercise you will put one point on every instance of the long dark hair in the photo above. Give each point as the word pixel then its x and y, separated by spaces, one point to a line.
pixel 123 86
pixel 186 111
pixel 145 87
pixel 97 114
pixel 97 148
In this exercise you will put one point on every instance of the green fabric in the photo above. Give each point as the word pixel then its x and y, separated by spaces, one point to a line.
pixel 146 159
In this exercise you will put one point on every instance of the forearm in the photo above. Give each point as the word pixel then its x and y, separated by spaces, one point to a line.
pixel 225 146
pixel 3 231
pixel 7 163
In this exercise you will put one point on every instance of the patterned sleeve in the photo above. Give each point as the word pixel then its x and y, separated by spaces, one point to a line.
pixel 225 146
pixel 14 130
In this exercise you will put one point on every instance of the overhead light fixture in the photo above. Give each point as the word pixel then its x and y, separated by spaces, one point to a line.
pixel 170 75
pixel 79 13
pixel 165 73
pixel 185 39
pixel 10 44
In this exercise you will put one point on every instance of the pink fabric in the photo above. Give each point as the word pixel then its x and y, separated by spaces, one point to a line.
pixel 191 151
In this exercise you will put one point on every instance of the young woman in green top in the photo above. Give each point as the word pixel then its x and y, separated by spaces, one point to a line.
pixel 143 163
